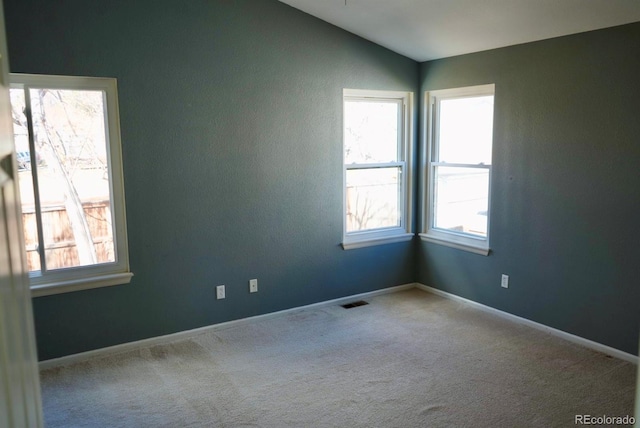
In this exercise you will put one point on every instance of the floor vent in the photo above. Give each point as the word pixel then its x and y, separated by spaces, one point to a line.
pixel 354 304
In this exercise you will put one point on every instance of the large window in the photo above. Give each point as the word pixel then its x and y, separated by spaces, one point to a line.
pixel 67 138
pixel 457 145
pixel 377 161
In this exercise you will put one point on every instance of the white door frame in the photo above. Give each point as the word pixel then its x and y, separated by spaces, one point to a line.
pixel 20 403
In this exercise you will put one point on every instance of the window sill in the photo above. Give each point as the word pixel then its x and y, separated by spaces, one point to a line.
pixel 368 242
pixel 67 286
pixel 476 249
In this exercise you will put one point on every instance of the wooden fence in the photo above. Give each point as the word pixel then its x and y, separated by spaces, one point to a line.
pixel 60 247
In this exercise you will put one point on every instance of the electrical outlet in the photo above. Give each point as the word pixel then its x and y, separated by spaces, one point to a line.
pixel 220 292
pixel 504 283
pixel 253 286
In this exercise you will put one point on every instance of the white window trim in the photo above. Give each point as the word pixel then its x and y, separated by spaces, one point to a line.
pixel 461 241
pixel 104 274
pixel 389 235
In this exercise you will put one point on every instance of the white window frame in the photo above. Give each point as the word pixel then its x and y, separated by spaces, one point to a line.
pixel 103 274
pixel 429 147
pixel 352 240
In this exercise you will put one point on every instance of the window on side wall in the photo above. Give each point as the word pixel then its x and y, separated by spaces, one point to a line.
pixel 377 167
pixel 67 138
pixel 457 180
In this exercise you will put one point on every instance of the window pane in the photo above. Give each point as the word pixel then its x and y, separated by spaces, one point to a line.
pixel 466 130
pixel 373 198
pixel 25 180
pixel 73 177
pixel 371 131
pixel 462 199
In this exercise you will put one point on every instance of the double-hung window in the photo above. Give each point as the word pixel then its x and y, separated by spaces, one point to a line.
pixel 377 167
pixel 457 147
pixel 67 136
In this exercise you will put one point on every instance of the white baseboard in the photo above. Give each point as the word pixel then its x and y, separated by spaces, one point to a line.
pixel 559 333
pixel 182 335
pixel 173 337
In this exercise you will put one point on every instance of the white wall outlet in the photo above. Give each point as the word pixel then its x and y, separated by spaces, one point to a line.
pixel 253 286
pixel 504 283
pixel 220 294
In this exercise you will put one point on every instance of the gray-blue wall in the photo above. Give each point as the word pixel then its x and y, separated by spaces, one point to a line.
pixel 565 206
pixel 231 116
pixel 231 128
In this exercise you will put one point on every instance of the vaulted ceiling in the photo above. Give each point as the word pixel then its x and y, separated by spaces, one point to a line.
pixel 431 29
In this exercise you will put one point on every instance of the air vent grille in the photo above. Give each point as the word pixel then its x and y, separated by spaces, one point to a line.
pixel 354 304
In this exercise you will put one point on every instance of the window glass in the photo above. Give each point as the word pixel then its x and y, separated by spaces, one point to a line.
pixel 462 199
pixel 73 178
pixel 377 163
pixel 67 138
pixel 457 182
pixel 466 130
pixel 373 198
pixel 371 131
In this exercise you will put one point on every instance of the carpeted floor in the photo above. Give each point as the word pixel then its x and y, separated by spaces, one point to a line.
pixel 408 359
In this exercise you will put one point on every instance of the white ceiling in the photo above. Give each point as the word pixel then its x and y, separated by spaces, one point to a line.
pixel 431 29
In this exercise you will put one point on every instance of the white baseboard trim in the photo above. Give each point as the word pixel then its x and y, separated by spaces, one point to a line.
pixel 182 335
pixel 559 333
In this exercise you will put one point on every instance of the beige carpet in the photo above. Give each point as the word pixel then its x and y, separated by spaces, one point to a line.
pixel 408 359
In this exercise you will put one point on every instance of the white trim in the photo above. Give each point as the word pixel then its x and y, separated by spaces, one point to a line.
pixel 464 92
pixel 182 335
pixel 637 425
pixel 462 165
pixel 465 246
pixel 49 81
pixel 353 244
pixel 100 274
pixel 429 147
pixel 359 239
pixel 80 284
pixel 20 398
pixel 374 94
pixel 553 331
pixel 353 166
